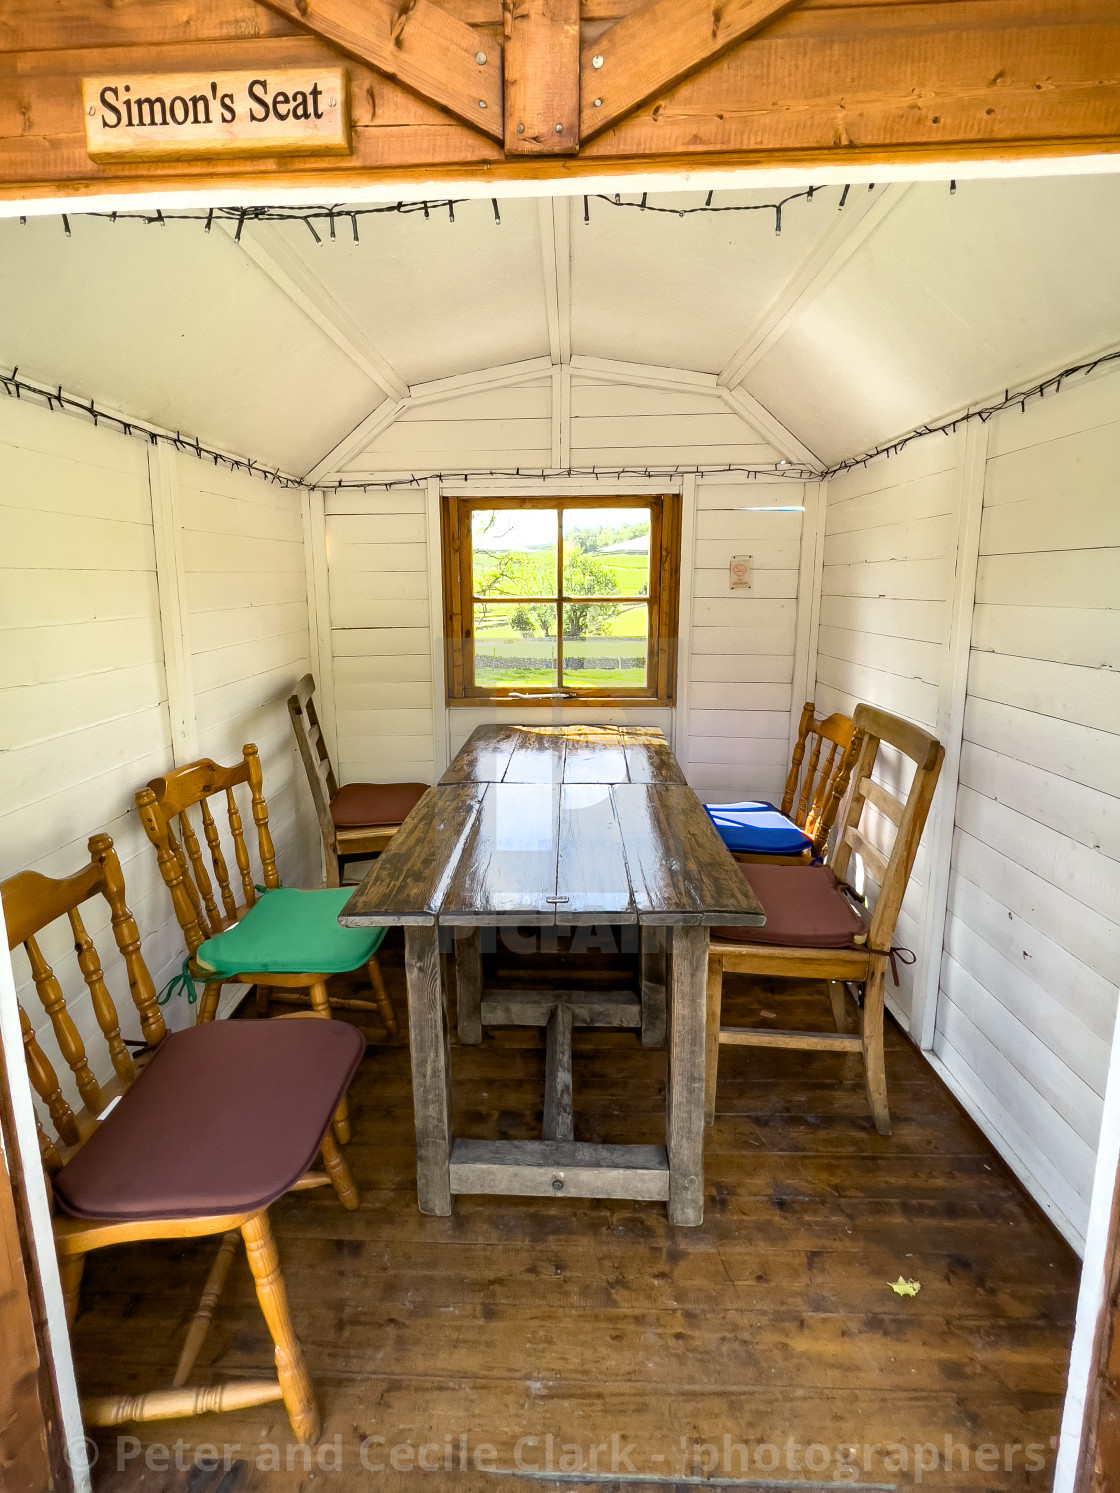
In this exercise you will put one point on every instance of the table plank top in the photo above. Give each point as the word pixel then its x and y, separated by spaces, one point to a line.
pixel 536 825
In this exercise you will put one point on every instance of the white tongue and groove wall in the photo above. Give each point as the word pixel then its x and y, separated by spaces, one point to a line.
pixel 155 608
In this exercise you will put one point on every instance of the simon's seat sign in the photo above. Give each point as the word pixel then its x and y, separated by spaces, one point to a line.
pixel 292 111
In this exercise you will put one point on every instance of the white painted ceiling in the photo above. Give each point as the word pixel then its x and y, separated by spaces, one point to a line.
pixel 873 325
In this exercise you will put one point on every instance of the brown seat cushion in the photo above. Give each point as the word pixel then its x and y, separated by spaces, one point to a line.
pixel 357 804
pixel 804 909
pixel 224 1119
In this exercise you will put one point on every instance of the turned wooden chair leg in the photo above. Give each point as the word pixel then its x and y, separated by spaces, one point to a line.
pixel 875 1072
pixel 381 996
pixel 208 1001
pixel 204 1312
pixel 70 1268
pixel 339 1173
pixel 838 996
pixel 711 1035
pixel 291 1369
pixel 320 1004
pixel 264 1000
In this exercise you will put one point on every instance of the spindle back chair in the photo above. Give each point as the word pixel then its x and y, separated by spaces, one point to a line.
pixel 356 820
pixel 164 807
pixel 858 959
pixel 165 803
pixel 32 902
pixel 820 769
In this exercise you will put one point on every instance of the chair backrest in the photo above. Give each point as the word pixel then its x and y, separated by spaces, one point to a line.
pixel 164 803
pixel 313 750
pixel 815 787
pixel 32 901
pixel 908 816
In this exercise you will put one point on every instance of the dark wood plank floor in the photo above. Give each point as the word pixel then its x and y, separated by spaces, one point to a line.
pixel 765 1347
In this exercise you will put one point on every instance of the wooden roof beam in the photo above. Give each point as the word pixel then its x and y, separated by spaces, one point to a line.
pixel 656 46
pixel 417 43
pixel 542 76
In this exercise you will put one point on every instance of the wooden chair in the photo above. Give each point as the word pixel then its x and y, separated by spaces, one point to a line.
pixel 814 932
pixel 287 943
pixel 359 819
pixel 145 1167
pixel 798 832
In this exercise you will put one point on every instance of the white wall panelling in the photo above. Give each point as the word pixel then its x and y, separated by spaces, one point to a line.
pixel 1032 949
pixel 886 602
pixel 151 608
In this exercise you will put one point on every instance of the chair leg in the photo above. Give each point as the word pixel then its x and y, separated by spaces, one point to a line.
pixel 711 1035
pixel 332 871
pixel 874 996
pixel 70 1268
pixel 208 1002
pixel 320 1004
pixel 291 1369
pixel 381 996
pixel 838 996
pixel 339 1173
pixel 264 1000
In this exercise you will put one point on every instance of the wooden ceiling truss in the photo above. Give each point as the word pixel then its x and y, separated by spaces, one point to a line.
pixel 562 88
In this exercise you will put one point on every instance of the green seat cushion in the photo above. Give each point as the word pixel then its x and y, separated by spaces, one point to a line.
pixel 290 932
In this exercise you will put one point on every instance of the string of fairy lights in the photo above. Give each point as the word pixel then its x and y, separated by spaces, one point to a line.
pixel 333 220
pixel 329 223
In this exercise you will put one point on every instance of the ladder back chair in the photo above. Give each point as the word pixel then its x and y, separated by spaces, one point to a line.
pixel 142 1157
pixel 819 773
pixel 285 941
pixel 813 931
pixel 359 819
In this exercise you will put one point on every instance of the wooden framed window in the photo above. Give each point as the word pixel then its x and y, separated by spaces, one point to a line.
pixel 557 599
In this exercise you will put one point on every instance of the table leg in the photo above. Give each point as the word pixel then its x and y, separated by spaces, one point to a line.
pixel 468 984
pixel 654 960
pixel 430 1053
pixel 688 979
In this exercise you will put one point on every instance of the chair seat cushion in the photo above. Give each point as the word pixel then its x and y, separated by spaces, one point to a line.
pixel 805 909
pixel 290 932
pixel 224 1119
pixel 356 805
pixel 757 827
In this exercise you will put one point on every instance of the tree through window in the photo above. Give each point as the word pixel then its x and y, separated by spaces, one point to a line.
pixel 561 598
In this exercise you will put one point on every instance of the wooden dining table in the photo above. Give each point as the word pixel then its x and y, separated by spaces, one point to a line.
pixel 558 826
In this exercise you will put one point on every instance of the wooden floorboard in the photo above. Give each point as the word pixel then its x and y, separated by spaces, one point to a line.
pixel 761 1347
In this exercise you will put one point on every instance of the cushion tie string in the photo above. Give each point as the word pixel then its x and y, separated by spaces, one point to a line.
pixel 899 956
pixel 184 984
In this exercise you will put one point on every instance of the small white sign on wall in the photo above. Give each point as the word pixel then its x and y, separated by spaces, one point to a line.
pixel 740 572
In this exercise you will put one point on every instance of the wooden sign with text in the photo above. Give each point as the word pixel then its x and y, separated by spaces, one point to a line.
pixel 289 111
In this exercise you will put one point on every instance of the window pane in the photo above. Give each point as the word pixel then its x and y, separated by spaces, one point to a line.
pixel 515 646
pixel 605 645
pixel 514 551
pixel 606 551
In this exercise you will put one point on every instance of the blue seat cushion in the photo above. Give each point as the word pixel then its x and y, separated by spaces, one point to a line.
pixel 290 932
pixel 757 827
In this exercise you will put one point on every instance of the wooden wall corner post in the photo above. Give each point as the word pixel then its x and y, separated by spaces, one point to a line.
pixel 950 730
pixel 541 77
pixel 431 1074
pixel 690 501
pixel 171 584
pixel 1098 1315
pixel 441 756
pixel 688 984
pixel 57 1412
pixel 810 585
